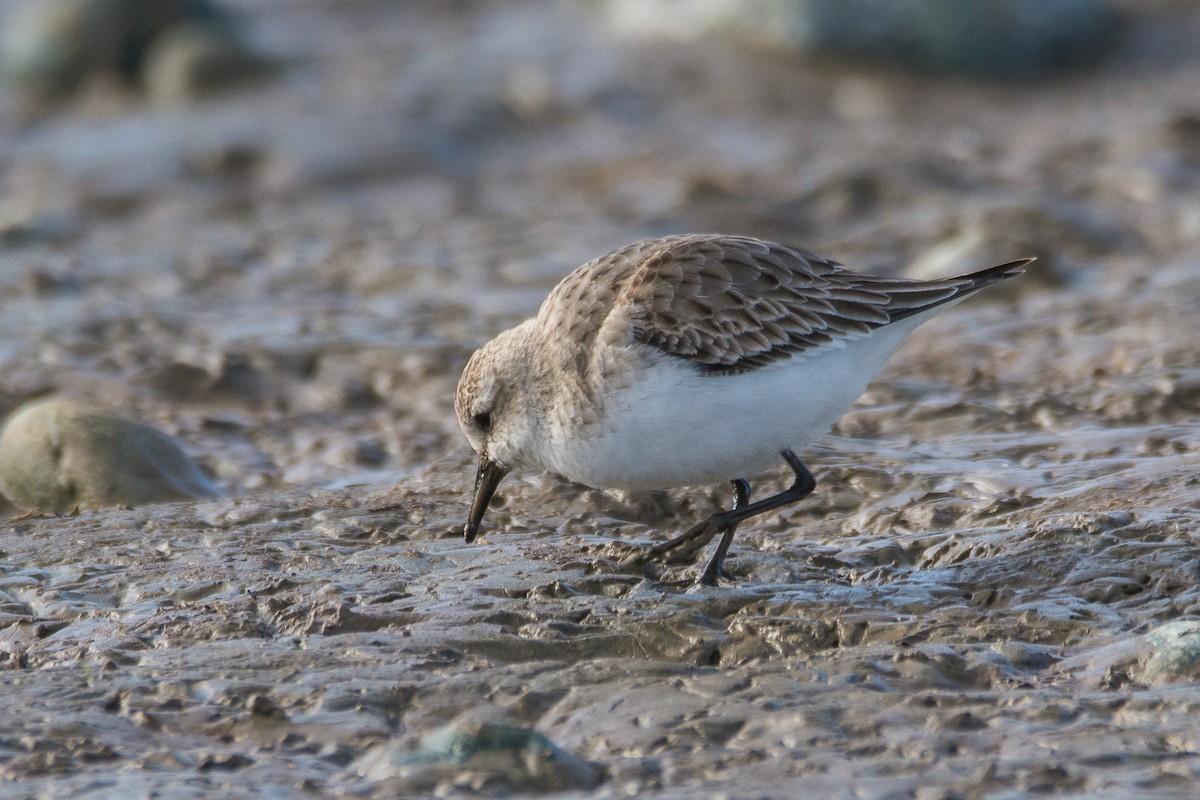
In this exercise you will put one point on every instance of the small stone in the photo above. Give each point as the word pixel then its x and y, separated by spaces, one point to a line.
pixel 52 228
pixel 990 239
pixel 475 752
pixel 1025 656
pixel 1183 135
pixel 195 60
pixel 1174 652
pixel 56 454
pixel 47 283
pixel 370 453
pixel 43 48
pixel 54 47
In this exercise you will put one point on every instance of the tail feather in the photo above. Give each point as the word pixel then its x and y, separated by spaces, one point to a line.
pixel 986 277
pixel 951 289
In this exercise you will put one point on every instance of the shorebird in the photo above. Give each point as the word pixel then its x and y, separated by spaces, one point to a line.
pixel 688 360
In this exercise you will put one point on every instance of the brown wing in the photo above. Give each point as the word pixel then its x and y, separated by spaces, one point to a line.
pixel 732 304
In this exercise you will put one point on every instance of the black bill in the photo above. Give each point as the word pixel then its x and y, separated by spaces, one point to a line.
pixel 486 480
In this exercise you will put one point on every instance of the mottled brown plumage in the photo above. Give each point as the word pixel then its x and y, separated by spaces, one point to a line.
pixel 685 360
pixel 729 304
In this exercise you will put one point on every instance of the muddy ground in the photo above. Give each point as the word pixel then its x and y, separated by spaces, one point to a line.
pixel 289 279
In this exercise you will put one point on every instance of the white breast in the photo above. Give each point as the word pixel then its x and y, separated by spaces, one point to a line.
pixel 673 426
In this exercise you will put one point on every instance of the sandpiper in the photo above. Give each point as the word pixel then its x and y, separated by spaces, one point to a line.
pixel 687 360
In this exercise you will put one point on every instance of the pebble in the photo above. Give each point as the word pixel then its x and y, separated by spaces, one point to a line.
pixel 195 60
pixel 1174 652
pixel 991 239
pixel 1165 654
pixel 57 454
pixel 478 752
pixel 54 47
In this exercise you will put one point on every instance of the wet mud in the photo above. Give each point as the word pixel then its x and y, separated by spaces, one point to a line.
pixel 289 279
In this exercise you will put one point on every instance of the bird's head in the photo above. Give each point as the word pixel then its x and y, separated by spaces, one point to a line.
pixel 495 414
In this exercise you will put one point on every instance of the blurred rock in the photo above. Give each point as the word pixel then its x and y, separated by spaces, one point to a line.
pixel 530 94
pixel 1174 652
pixel 1000 39
pixel 347 145
pixel 1183 135
pixel 54 47
pixel 995 235
pixel 45 49
pixel 1162 655
pixel 223 159
pixel 975 250
pixel 47 282
pixel 56 454
pixel 478 753
pixel 52 228
pixel 198 59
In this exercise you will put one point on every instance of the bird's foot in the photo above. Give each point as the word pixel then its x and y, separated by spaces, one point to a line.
pixel 712 577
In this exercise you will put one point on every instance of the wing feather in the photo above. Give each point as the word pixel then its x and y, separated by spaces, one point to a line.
pixel 731 304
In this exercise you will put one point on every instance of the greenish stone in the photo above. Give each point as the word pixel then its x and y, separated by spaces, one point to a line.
pixel 56 454
pixel 1175 651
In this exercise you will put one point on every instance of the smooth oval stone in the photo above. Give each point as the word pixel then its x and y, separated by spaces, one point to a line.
pixel 56 454
pixel 496 751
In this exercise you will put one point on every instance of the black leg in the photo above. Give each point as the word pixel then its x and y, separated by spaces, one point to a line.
pixel 800 488
pixel 716 565
pixel 726 522
pixel 680 548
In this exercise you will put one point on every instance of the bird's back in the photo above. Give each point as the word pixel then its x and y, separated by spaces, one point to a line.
pixel 730 304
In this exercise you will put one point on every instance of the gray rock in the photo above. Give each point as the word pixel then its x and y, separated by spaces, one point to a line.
pixel 54 47
pixel 1002 38
pixel 1168 653
pixel 198 59
pixel 476 753
pixel 56 454
pixel 28 229
pixel 997 235
pixel 1174 652
pixel 43 48
pixel 975 249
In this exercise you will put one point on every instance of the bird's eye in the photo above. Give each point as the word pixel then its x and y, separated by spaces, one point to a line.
pixel 484 420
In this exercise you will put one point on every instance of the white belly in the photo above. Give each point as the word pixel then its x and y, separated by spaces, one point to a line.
pixel 676 427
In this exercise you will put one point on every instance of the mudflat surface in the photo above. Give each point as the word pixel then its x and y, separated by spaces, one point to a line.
pixel 290 279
